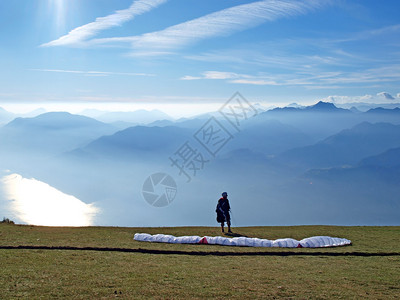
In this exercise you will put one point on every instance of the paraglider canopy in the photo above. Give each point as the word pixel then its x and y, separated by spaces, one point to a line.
pixel 311 242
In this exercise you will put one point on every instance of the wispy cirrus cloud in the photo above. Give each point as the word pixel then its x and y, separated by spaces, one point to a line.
pixel 212 75
pixel 232 77
pixel 255 81
pixel 379 98
pixel 221 23
pixel 92 73
pixel 326 52
pixel 372 33
pixel 219 75
pixel 79 35
pixel 308 79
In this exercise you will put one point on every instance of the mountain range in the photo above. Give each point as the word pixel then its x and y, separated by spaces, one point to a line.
pixel 296 165
pixel 137 117
pixel 136 143
pixel 50 134
pixel 346 147
pixel 6 116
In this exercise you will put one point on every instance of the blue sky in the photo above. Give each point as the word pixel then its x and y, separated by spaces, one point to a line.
pixel 197 52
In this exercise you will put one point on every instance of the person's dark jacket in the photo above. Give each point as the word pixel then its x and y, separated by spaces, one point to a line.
pixel 222 210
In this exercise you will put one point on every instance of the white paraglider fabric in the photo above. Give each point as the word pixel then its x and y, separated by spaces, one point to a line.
pixel 166 238
pixel 311 242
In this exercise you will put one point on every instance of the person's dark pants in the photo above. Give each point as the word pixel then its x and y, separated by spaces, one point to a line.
pixel 228 219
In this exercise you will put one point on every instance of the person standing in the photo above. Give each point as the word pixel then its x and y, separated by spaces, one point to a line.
pixel 222 211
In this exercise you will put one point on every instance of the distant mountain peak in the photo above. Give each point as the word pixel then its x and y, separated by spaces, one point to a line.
pixel 5 115
pixel 323 106
pixel 55 120
pixel 53 114
pixel 355 109
pixel 381 110
pixel 295 105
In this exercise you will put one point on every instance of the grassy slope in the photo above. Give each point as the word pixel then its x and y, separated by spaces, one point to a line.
pixel 90 274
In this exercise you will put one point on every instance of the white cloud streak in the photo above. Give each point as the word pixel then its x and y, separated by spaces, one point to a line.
pixel 221 23
pixel 254 82
pixel 379 98
pixel 219 75
pixel 92 73
pixel 79 35
pixel 232 77
pixel 308 79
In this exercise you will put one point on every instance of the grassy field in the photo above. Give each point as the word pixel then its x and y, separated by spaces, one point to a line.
pixel 370 268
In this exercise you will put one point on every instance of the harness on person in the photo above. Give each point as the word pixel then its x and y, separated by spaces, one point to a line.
pixel 221 217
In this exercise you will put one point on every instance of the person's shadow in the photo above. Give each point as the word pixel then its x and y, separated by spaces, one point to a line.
pixel 233 234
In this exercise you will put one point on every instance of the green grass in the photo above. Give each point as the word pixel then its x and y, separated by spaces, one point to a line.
pixel 74 274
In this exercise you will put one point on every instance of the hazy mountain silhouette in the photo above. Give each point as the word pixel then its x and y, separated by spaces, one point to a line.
pixel 33 113
pixel 5 116
pixel 383 115
pixel 362 106
pixel 359 184
pixel 194 122
pixel 321 106
pixel 378 175
pixel 347 147
pixel 50 133
pixel 137 143
pixel 380 110
pixel 389 158
pixel 162 123
pixel 270 137
pixel 138 117
pixel 317 121
pixel 380 114
pixel 325 107
pixel 355 110
pixel 295 105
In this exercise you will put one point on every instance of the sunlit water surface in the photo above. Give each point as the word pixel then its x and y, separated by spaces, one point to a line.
pixel 34 202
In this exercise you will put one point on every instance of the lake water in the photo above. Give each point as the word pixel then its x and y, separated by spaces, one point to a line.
pixel 30 201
